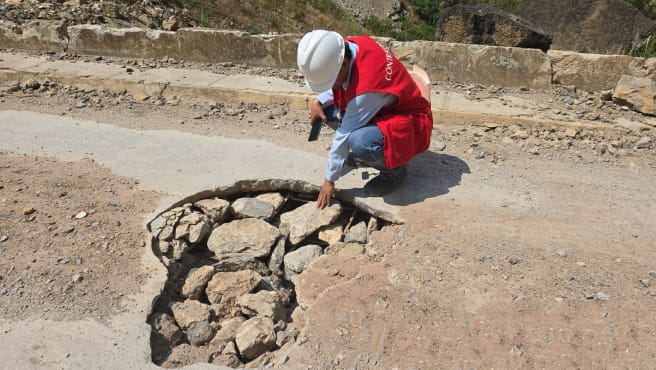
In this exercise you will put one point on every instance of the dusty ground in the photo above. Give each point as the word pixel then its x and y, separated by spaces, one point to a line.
pixel 514 255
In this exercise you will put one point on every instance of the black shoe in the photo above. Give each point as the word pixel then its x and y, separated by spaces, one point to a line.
pixel 385 183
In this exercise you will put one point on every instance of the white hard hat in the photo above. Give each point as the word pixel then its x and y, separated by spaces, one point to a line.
pixel 319 57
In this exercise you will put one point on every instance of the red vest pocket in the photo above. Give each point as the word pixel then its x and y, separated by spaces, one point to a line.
pixel 406 135
pixel 400 138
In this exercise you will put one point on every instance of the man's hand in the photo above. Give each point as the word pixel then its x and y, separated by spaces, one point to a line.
pixel 316 111
pixel 325 194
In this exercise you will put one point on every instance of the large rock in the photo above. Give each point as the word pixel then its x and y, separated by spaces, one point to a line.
pixel 199 333
pixel 275 199
pixel 589 26
pixel 226 333
pixel 263 303
pixel 357 233
pixel 251 208
pixel 165 330
pixel 255 337
pixel 239 261
pixel 478 64
pixel 277 257
pixel 215 209
pixel 189 312
pixel 196 281
pixel 193 228
pixel 331 234
pixel 251 236
pixel 225 287
pixel 307 219
pixel 636 93
pixel 298 260
pixel 595 72
pixel 487 25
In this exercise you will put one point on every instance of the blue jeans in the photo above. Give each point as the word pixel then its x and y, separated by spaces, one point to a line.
pixel 366 143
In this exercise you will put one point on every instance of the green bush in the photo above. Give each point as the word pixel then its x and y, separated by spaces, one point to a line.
pixel 647 49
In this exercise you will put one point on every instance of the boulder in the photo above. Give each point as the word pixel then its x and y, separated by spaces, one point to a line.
pixel 277 257
pixel 189 312
pixel 199 333
pixel 357 233
pixel 225 287
pixel 331 234
pixel 196 281
pixel 589 26
pixel 487 25
pixel 263 303
pixel 165 329
pixel 275 199
pixel 255 337
pixel 226 333
pixel 238 261
pixel 215 209
pixel 251 208
pixel 250 236
pixel 298 260
pixel 306 219
pixel 638 93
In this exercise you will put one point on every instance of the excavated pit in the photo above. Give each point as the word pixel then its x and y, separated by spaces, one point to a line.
pixel 232 255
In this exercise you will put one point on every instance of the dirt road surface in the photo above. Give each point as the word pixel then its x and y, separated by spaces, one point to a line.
pixel 511 256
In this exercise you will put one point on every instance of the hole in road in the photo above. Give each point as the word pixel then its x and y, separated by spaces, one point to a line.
pixel 231 257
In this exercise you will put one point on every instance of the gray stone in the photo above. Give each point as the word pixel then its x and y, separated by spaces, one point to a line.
pixel 198 232
pixel 227 332
pixel 225 287
pixel 251 236
pixel 589 26
pixel 215 209
pixel 196 281
pixel 275 199
pixel 199 333
pixel 357 233
pixel 282 337
pixel 178 248
pixel 298 260
pixel 238 261
pixel 251 208
pixel 601 296
pixel 263 303
pixel 189 312
pixel 255 337
pixel 643 143
pixel 165 326
pixel 307 219
pixel 277 257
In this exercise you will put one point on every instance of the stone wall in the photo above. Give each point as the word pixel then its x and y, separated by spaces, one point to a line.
pixel 504 66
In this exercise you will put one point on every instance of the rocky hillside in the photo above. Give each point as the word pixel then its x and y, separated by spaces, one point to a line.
pixel 400 19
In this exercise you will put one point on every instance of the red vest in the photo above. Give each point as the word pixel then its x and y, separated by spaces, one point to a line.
pixel 406 125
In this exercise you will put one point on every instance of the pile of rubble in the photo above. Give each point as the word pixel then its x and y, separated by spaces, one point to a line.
pixel 165 15
pixel 229 298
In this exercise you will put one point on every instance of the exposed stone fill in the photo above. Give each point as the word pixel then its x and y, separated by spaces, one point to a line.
pixel 232 264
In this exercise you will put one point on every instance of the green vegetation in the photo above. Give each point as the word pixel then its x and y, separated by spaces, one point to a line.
pixel 647 49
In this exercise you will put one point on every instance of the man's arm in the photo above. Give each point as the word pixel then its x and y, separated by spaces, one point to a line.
pixel 359 112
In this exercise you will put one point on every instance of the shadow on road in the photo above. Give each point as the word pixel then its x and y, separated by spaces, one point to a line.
pixel 429 175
